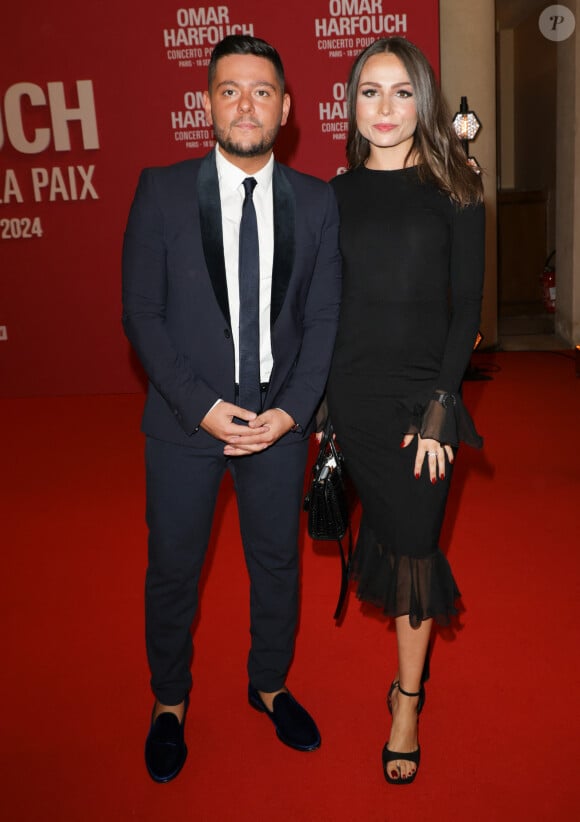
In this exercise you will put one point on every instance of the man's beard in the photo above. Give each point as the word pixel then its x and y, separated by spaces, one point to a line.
pixel 265 145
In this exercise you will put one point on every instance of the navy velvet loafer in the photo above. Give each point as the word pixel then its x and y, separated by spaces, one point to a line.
pixel 294 725
pixel 165 749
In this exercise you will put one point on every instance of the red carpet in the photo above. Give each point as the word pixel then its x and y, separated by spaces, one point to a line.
pixel 500 730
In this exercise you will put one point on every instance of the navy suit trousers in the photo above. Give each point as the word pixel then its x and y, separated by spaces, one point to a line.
pixel 182 489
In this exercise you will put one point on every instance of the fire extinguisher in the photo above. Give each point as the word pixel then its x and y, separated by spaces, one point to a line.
pixel 548 281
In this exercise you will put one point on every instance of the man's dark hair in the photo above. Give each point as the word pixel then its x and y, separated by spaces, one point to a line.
pixel 245 44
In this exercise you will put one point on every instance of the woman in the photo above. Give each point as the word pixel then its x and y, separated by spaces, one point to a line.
pixel 412 239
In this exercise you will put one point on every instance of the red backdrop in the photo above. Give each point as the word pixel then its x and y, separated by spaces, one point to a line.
pixel 90 95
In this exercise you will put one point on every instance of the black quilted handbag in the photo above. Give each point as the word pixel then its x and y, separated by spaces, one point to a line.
pixel 327 504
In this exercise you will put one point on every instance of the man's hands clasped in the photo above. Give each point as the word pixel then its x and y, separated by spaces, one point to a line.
pixel 261 431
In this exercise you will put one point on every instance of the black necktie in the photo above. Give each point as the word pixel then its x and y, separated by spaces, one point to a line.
pixel 249 278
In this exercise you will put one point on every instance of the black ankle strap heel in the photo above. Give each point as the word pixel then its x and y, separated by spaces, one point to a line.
pixel 409 756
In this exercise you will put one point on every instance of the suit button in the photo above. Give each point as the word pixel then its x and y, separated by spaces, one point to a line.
pixel 227 334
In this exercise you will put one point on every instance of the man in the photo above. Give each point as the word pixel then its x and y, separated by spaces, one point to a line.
pixel 231 288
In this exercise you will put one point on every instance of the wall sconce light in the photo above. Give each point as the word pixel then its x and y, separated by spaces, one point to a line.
pixel 467 125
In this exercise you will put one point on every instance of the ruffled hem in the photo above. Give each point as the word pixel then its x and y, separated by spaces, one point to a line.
pixel 422 588
pixel 445 419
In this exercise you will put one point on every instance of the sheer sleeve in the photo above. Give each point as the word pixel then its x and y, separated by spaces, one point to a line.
pixel 445 419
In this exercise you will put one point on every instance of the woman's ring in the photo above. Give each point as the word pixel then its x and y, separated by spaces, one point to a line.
pixel 431 453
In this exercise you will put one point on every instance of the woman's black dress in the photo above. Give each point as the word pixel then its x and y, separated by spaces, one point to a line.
pixel 413 274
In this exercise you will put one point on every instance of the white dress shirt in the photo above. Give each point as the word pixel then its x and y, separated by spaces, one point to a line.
pixel 232 194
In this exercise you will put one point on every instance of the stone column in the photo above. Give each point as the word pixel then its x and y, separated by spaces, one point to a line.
pixel 568 186
pixel 468 70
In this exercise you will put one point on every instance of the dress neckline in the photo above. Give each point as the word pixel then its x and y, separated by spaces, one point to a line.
pixel 404 170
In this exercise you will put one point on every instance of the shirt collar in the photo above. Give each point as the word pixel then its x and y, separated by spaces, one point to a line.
pixel 231 176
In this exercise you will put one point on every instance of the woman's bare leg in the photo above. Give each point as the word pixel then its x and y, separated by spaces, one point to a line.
pixel 412 644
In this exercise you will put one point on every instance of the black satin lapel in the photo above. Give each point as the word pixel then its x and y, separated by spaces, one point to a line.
pixel 284 240
pixel 210 215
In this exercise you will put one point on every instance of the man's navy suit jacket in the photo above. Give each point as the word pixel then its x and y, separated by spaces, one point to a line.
pixel 175 301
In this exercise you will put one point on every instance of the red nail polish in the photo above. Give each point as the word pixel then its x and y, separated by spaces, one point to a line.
pixel 402 445
pixel 394 774
pixel 441 476
pixel 434 480
pixel 417 476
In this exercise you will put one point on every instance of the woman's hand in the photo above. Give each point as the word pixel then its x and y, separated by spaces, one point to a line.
pixel 432 451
